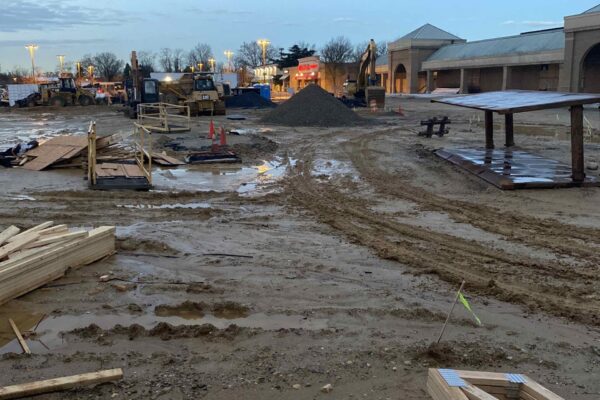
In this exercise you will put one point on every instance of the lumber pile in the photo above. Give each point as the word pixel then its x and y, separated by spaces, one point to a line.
pixel 37 256
pixel 58 384
pixel 448 384
pixel 70 151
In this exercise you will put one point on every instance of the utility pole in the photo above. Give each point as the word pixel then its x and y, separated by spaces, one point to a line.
pixel 32 48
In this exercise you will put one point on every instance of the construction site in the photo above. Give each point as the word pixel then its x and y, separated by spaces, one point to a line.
pixel 205 240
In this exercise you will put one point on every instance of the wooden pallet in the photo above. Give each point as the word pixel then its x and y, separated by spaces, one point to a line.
pixel 446 384
pixel 37 256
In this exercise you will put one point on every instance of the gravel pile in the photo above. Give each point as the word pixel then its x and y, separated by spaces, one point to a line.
pixel 249 100
pixel 313 106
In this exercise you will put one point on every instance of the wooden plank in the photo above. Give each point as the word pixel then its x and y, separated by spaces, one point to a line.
pixel 539 392
pixel 18 244
pixel 54 230
pixel 58 384
pixel 56 238
pixel 8 233
pixel 453 393
pixel 17 332
pixel 474 393
pixel 51 156
pixel 29 231
pixel 484 378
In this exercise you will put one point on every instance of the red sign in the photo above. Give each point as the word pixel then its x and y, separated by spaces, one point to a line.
pixel 308 67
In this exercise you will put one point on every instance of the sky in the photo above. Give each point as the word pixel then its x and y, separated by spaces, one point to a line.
pixel 74 28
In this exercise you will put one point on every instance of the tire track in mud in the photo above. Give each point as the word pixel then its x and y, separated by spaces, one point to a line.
pixel 554 287
pixel 560 238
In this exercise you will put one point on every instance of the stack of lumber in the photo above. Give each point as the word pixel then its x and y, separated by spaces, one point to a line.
pixel 39 255
pixel 447 384
pixel 68 151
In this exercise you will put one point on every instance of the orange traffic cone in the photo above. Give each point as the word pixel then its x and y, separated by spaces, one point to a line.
pixel 223 141
pixel 211 130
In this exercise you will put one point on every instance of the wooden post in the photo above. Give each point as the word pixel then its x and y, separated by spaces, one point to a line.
pixel 462 285
pixel 489 130
pixel 509 129
pixel 577 161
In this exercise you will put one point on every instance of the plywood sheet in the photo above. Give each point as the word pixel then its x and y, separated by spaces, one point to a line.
pixel 49 157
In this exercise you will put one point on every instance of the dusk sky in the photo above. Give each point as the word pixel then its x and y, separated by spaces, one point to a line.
pixel 74 28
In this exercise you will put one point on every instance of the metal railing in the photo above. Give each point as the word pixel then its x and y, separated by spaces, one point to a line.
pixel 164 117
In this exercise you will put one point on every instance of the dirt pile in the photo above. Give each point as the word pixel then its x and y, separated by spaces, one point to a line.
pixel 313 106
pixel 249 100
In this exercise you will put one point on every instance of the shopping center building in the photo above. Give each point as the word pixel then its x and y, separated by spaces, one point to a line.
pixel 564 59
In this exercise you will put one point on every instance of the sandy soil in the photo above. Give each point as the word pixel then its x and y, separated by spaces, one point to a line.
pixel 346 247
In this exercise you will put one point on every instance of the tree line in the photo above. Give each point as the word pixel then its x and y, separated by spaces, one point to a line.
pixel 107 65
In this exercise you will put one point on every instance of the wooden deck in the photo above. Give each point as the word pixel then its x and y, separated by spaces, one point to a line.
pixel 513 168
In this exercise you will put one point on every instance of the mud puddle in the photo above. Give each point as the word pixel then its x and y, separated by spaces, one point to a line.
pixel 175 206
pixel 205 178
pixel 327 169
pixel 48 333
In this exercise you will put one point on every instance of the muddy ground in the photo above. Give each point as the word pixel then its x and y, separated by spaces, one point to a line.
pixel 328 256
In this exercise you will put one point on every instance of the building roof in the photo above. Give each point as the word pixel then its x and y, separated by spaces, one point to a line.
pixel 382 60
pixel 533 42
pixel 593 10
pixel 429 32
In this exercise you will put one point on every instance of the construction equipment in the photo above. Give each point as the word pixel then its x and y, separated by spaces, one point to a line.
pixel 64 92
pixel 364 91
pixel 139 89
pixel 196 90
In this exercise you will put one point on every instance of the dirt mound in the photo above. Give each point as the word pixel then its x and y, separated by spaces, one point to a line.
pixel 249 100
pixel 313 106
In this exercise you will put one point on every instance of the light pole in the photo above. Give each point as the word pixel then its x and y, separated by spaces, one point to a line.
pixel 91 73
pixel 79 73
pixel 32 48
pixel 264 43
pixel 212 64
pixel 228 54
pixel 61 60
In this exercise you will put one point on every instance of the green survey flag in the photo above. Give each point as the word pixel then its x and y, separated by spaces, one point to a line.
pixel 468 307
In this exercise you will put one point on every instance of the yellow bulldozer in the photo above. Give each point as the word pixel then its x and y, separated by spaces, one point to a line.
pixel 196 90
pixel 62 93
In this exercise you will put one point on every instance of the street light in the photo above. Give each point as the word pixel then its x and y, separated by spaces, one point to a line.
pixel 228 54
pixel 201 65
pixel 32 48
pixel 91 72
pixel 212 64
pixel 79 72
pixel 264 43
pixel 61 60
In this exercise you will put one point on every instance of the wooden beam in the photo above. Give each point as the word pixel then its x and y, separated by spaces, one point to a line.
pixel 8 233
pixel 539 392
pixel 58 384
pixel 474 393
pixel 489 130
pixel 17 332
pixel 509 128
pixel 577 161
pixel 43 241
pixel 36 228
pixel 18 244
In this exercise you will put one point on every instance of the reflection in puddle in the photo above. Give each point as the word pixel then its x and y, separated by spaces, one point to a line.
pixel 215 178
pixel 48 332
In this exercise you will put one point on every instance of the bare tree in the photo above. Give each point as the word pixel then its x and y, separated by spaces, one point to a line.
pixel 178 60
pixel 200 54
pixel 250 55
pixel 146 61
pixel 335 54
pixel 165 59
pixel 107 65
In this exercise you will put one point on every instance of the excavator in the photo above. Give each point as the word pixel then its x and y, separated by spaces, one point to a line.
pixel 364 91
pixel 138 89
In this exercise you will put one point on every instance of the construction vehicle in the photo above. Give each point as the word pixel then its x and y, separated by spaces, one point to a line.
pixel 364 91
pixel 139 89
pixel 196 90
pixel 64 92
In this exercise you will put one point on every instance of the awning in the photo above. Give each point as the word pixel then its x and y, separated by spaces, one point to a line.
pixel 284 77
